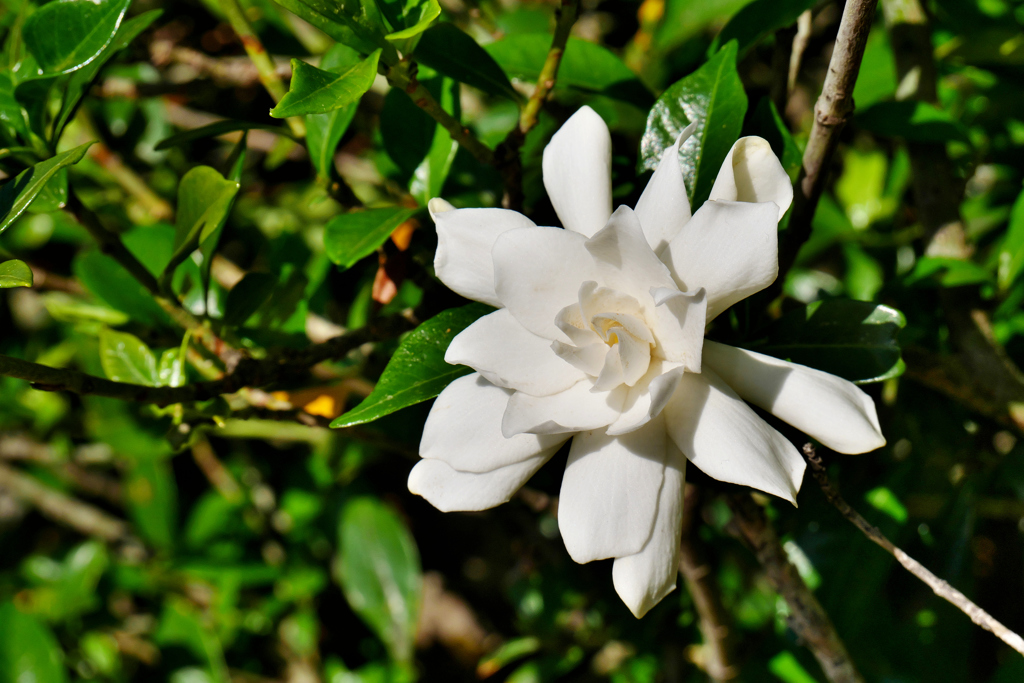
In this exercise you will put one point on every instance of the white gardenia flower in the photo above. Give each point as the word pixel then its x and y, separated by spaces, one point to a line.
pixel 599 338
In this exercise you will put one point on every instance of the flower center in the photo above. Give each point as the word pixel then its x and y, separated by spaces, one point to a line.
pixel 610 337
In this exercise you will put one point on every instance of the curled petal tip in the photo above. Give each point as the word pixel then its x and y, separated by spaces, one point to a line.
pixel 438 205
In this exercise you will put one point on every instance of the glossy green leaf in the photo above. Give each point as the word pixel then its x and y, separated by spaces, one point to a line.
pixel 152 496
pixel 82 78
pixel 378 568
pixel 1011 251
pixel 65 35
pixel 851 339
pixel 756 20
pixel 417 372
pixel 126 358
pixel 429 177
pixel 315 91
pixel 713 97
pixel 218 128
pixel 585 66
pixel 17 194
pixel 911 120
pixel 28 649
pixel 248 296
pixel 356 23
pixel 352 236
pixel 324 131
pixel 15 274
pixel 449 50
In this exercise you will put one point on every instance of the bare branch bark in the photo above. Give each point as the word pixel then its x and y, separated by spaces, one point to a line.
pixel 248 372
pixel 718 660
pixel 939 587
pixel 834 106
pixel 807 617
pixel 62 508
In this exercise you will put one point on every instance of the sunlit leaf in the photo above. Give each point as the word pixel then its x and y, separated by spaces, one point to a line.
pixel 15 274
pixel 713 97
pixel 452 52
pixel 28 649
pixel 126 358
pixel 65 35
pixel 17 194
pixel 417 372
pixel 355 235
pixel 315 91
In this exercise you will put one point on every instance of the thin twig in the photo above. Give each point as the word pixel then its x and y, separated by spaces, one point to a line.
pixel 261 60
pixel 939 587
pixel 800 40
pixel 403 76
pixel 831 112
pixel 507 154
pixel 700 583
pixel 62 508
pixel 807 617
pixel 247 373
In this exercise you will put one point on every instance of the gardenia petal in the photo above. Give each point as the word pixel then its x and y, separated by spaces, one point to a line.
pixel 576 409
pixel 464 241
pixel 452 491
pixel 752 173
pixel 725 439
pixel 731 249
pixel 464 429
pixel 609 495
pixel 645 400
pixel 537 273
pixel 644 579
pixel 828 408
pixel 509 355
pixel 680 318
pixel 625 261
pixel 664 208
pixel 577 169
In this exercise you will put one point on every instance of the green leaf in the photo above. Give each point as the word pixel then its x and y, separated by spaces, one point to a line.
pixel 205 198
pixel 788 669
pixel 170 370
pixel 108 280
pixel 152 497
pixel 315 91
pixel 947 272
pixel 585 66
pixel 28 649
pixel 884 500
pixel 355 23
pixel 246 297
pixel 876 79
pixel 417 372
pixel 713 97
pixel 451 51
pixel 378 568
pixel 428 178
pixel 1011 251
pixel 851 339
pixel 80 80
pixel 352 236
pixel 218 128
pixel 324 131
pixel 12 116
pixel 913 121
pixel 403 39
pixel 407 131
pixel 126 358
pixel 17 194
pixel 69 589
pixel 15 274
pixel 181 623
pixel 65 35
pixel 756 20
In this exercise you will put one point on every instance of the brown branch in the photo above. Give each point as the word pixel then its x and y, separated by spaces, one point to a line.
pixel 938 586
pixel 507 154
pixel 834 106
pixel 718 660
pixel 62 508
pixel 249 372
pixel 807 617
pixel 403 76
